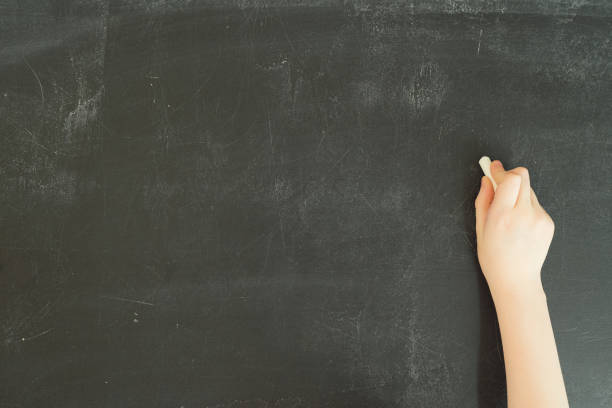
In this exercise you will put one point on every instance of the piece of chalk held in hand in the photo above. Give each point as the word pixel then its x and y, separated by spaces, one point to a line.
pixel 485 164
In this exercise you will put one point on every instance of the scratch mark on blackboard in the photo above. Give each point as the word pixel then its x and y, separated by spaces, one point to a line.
pixel 30 133
pixel 321 142
pixel 268 251
pixel 280 18
pixel 86 109
pixel 341 158
pixel 468 239
pixel 42 92
pixel 282 233
pixel 36 335
pixel 479 39
pixel 270 127
pixel 34 142
pixel 250 244
pixel 338 330
pixel 121 299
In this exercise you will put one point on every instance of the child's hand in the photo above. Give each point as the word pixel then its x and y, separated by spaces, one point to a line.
pixel 513 232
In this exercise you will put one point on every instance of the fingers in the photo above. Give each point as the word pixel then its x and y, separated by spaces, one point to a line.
pixel 497 171
pixel 524 196
pixel 507 192
pixel 483 201
pixel 514 189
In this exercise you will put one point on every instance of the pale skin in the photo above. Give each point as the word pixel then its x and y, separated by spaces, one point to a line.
pixel 514 233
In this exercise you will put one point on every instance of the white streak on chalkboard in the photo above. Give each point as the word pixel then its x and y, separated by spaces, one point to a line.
pixel 42 92
pixel 321 142
pixel 83 113
pixel 341 158
pixel 268 251
pixel 282 233
pixel 36 335
pixel 120 299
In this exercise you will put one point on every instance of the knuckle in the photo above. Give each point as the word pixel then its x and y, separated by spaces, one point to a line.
pixel 545 222
pixel 522 171
pixel 550 222
pixel 514 178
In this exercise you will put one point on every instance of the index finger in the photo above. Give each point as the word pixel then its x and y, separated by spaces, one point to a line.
pixel 507 192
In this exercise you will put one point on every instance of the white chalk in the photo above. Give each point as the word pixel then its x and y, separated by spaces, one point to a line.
pixel 485 164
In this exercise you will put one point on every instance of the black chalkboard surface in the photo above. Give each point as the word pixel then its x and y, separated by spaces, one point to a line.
pixel 270 203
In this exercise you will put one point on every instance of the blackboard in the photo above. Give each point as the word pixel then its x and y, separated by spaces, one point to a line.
pixel 270 203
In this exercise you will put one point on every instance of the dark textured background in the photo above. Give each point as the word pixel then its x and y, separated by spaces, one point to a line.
pixel 270 203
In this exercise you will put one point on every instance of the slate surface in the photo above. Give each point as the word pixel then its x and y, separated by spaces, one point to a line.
pixel 270 204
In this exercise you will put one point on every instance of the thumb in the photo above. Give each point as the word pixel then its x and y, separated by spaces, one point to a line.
pixel 483 202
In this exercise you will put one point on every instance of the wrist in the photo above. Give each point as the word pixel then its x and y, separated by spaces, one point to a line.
pixel 521 293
